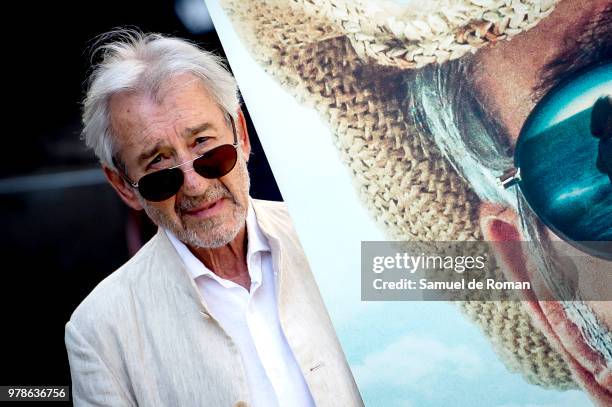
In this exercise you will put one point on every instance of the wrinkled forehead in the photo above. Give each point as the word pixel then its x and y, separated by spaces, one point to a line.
pixel 180 102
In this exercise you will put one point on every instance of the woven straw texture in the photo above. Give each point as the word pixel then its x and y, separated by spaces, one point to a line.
pixel 407 186
pixel 410 34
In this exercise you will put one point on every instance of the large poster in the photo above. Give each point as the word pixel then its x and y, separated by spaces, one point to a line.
pixel 407 122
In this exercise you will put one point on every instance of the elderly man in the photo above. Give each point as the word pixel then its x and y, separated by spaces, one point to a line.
pixel 429 101
pixel 220 307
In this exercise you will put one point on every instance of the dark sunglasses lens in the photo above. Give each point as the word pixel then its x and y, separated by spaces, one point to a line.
pixel 160 185
pixel 216 162
pixel 559 157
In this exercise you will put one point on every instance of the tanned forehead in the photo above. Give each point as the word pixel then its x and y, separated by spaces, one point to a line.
pixel 134 108
pixel 133 114
pixel 511 76
pixel 149 151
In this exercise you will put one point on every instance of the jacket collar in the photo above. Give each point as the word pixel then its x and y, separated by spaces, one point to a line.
pixel 274 231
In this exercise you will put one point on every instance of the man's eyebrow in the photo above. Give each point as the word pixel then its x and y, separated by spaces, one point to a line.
pixel 145 155
pixel 190 131
pixel 592 46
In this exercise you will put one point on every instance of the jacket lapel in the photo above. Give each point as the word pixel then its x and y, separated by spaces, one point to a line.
pixel 177 273
pixel 190 347
pixel 303 315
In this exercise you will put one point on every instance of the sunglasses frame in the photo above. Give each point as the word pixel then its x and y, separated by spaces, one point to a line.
pixel 135 184
pixel 512 177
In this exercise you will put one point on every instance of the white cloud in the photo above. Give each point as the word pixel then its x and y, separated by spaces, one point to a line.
pixel 571 398
pixel 529 405
pixel 415 361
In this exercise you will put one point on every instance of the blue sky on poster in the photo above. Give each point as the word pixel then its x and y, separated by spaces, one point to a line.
pixel 401 353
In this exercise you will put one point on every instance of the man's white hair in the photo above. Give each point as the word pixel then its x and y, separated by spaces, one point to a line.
pixel 133 61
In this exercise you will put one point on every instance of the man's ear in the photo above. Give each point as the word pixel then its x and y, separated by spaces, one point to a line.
pixel 243 135
pixel 125 191
pixel 500 226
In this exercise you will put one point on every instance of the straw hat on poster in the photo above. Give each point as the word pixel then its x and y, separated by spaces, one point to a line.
pixel 348 60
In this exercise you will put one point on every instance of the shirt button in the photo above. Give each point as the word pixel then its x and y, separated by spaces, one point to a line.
pixel 241 404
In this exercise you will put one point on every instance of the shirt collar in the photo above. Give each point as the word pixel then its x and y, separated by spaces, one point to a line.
pixel 256 242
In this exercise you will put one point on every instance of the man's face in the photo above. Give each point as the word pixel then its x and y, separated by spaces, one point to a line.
pixel 180 124
pixel 510 78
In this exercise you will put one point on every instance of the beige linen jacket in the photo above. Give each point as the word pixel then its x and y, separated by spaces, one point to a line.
pixel 144 336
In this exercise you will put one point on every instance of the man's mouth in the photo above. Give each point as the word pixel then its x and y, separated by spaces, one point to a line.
pixel 207 209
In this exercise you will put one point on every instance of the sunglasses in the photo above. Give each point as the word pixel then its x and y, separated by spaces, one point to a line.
pixel 563 161
pixel 163 184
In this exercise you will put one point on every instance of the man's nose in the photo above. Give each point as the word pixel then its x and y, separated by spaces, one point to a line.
pixel 193 183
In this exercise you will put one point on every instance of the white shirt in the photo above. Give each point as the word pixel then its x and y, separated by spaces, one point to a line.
pixel 251 320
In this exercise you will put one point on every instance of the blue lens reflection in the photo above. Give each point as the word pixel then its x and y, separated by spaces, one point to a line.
pixel 557 156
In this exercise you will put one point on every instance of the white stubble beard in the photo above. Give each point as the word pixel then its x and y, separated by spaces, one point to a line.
pixel 209 232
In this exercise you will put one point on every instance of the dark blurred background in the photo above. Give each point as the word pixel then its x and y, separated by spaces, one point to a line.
pixel 64 227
